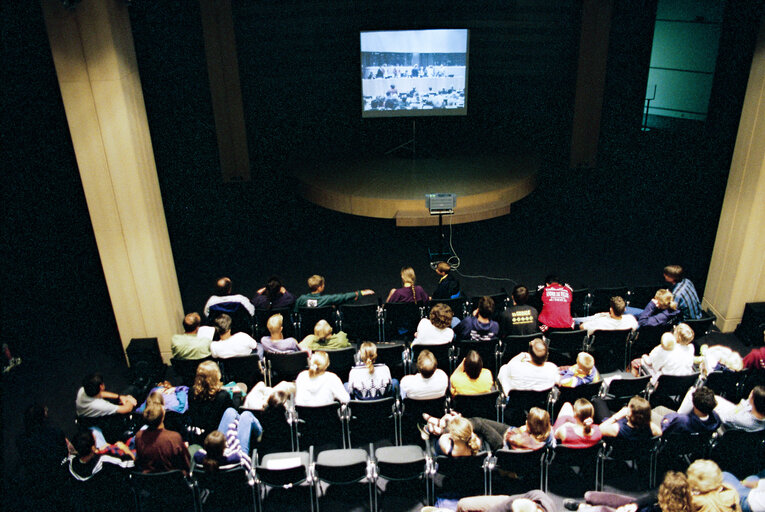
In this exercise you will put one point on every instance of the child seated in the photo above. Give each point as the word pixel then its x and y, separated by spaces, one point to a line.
pixel 583 372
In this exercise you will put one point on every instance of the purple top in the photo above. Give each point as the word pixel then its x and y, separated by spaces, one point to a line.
pixel 653 316
pixel 279 346
pixel 285 300
pixel 404 294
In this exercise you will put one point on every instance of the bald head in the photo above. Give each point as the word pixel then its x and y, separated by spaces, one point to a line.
pixel 224 286
pixel 191 323
pixel 538 351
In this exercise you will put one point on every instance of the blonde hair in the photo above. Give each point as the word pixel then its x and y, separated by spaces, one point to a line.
pixel 322 330
pixel 664 298
pixel 318 363
pixel 207 380
pixel 704 476
pixel 584 412
pixel 275 322
pixel 683 333
pixel 668 341
pixel 538 424
pixel 460 429
pixel 368 355
pixel 585 361
pixel 408 276
pixel 674 494
pixel 155 397
pixel 733 362
pixel 315 282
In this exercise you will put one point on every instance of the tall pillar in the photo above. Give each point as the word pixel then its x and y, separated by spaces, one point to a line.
pixel 737 271
pixel 590 81
pixel 95 62
pixel 223 73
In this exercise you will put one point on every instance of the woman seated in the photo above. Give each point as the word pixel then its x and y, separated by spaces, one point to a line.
pixel 229 446
pixel 208 400
pixel 720 358
pixel 367 380
pixel 662 310
pixel 470 377
pixel 316 387
pixel 261 395
pixel 273 296
pixel 708 491
pixel 632 423
pixel 674 495
pixel 575 426
pixel 667 358
pixel 459 439
pixel 436 329
pixel 323 338
pixel 408 291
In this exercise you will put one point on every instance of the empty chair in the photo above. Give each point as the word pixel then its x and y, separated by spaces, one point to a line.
pixel 564 346
pixel 600 298
pixel 701 326
pixel 586 459
pixel 281 367
pixel 670 390
pixel 645 339
pixel 361 322
pixel 104 491
pixel 227 489
pixel 168 491
pixel 610 349
pixel 370 421
pixel 726 384
pixel 619 391
pixel 341 361
pixel 401 463
pixel 678 449
pixel 400 320
pixel 392 355
pixel 516 406
pixel 245 369
pixel 261 319
pixel 640 454
pixel 345 467
pixel 307 318
pixel 489 351
pixel 484 405
pixel 442 353
pixel 186 369
pixel 739 452
pixel 639 296
pixel 279 434
pixel 511 346
pixel 464 476
pixel 561 395
pixel 529 466
pixel 284 470
pixel 320 426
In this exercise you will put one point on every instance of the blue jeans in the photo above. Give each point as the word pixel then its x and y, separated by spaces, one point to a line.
pixel 247 422
pixel 742 490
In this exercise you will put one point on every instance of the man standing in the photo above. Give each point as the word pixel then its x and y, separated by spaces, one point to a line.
pixel 683 292
pixel 316 299
pixel 191 344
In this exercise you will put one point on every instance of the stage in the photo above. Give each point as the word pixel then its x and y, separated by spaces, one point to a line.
pixel 394 187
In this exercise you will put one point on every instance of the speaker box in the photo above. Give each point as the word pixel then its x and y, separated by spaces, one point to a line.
pixel 145 360
pixel 750 330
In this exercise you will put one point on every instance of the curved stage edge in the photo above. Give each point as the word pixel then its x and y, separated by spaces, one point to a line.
pixel 395 187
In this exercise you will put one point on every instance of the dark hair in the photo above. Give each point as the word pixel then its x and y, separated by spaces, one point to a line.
pixel 84 443
pixel 223 323
pixel 277 399
pixel 618 305
pixel 215 444
pixel 758 399
pixel 273 288
pixel 473 364
pixel 704 400
pixel 223 286
pixel 640 412
pixel 92 384
pixel 538 351
pixel 552 278
pixel 520 295
pixel 486 306
pixel 191 322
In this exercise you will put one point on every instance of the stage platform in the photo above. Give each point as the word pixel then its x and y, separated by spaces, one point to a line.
pixel 394 187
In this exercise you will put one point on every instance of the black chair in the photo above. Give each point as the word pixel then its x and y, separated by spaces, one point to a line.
pixel 370 421
pixel 392 355
pixel 638 453
pixel 287 366
pixel 105 491
pixel 345 467
pixel 227 489
pixel 307 318
pixel 278 430
pixel 739 452
pixel 261 319
pixel 561 395
pixel 645 339
pixel 457 306
pixel 241 320
pixel 245 369
pixel 411 416
pixel 341 360
pixel 442 353
pixel 321 426
pixel 283 470
pixel 113 426
pixel 755 377
pixel 564 346
pixel 728 385
pixel 639 296
pixel 600 298
pixel 500 304
pixel 402 463
pixel 463 476
pixel 361 322
pixel 671 389
pixel 529 466
pixel 580 304
pixel 678 450
pixel 186 369
pixel 511 346
pixel 489 351
pixel 400 320
pixel 586 459
pixel 516 406
pixel 701 326
pixel 485 405
pixel 167 491
pixel 610 349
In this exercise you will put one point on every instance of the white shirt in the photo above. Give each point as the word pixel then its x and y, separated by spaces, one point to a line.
pixel 604 322
pixel 420 388
pixel 241 299
pixel 428 334
pixel 93 407
pixel 756 498
pixel 239 344
pixel 521 373
pixel 369 386
pixel 678 361
pixel 320 390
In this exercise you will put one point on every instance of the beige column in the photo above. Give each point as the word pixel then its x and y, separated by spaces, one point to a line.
pixel 737 271
pixel 223 73
pixel 590 81
pixel 94 57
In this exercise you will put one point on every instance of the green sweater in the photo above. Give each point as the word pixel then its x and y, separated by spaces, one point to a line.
pixel 337 340
pixel 317 300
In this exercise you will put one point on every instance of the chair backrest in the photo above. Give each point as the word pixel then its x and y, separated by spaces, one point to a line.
pixel 618 448
pixel 308 317
pixel 600 298
pixel 278 434
pixel 483 405
pixel 670 389
pixel 166 491
pixel 412 416
pixel 105 491
pixel 580 305
pixel 526 464
pixel 261 319
pixel 361 322
pixel 462 475
pixel 728 385
pixel 694 445
pixel 228 488
pixel 700 326
pixel 519 401
pixel 341 361
pixel 621 390
pixel 585 458
pixel 500 304
pixel 457 306
pixel 286 366
pixel 488 350
pixel 372 421
pixel 514 345
pixel 610 349
pixel 646 338
pixel 320 427
pixel 440 352
pixel 241 320
pixel 186 369
pixel 241 369
pixel 755 377
pixel 281 475
pixel 391 355
pixel 564 346
pixel 739 452
pixel 571 395
pixel 400 320
pixel 639 296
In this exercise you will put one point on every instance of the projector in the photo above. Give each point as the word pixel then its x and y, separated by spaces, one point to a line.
pixel 441 204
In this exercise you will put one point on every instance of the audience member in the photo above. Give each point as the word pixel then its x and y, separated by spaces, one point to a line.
pixel 614 320
pixel 575 426
pixel 683 291
pixel 535 434
pixel 632 423
pixel 747 415
pixel 667 358
pixel 316 298
pixel 556 305
pixel 674 495
pixel 276 343
pixel 261 395
pixel 232 345
pixel 316 386
pixel 273 296
pixel 323 338
pixel 409 292
pixel 661 310
pixel 223 295
pixel 229 445
pixel 190 344
pixel 459 440
pixel 751 490
pixel 93 399
pixel 158 449
pixel 435 330
pixel 208 400
pixel 702 418
pixel 429 382
pixel 519 319
pixel 367 380
pixel 583 372
pixel 87 462
pixel 709 493
pixel 479 326
pixel 529 370
pixel 755 359
pixel 41 447
pixel 448 286
pixel 470 377
pixel 720 358
pixel 531 501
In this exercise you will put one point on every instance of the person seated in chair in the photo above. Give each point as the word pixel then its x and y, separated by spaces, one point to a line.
pixel 667 358
pixel 367 380
pixel 276 343
pixel 191 344
pixel 429 382
pixel 409 292
pixel 662 310
pixel 448 285
pixel 324 339
pixel 223 295
pixel 556 305
pixel 229 446
pixel 316 298
pixel 87 463
pixel 436 329
pixel 316 387
pixel 93 399
pixel 632 423
pixel 583 372
pixel 575 426
pixel 273 296
pixel 470 377
pixel 159 449
pixel 529 370
pixel 684 292
pixel 479 326
pixel 614 320
pixel 519 319
pixel 702 418
pixel 208 400
pixel 232 345
pixel 747 415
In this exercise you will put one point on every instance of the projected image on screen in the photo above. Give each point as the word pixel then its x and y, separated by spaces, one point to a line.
pixel 414 72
